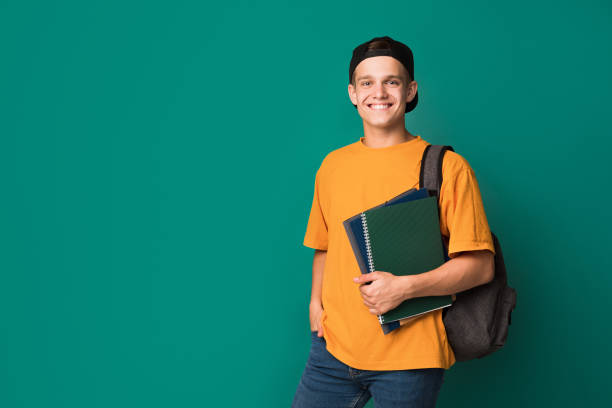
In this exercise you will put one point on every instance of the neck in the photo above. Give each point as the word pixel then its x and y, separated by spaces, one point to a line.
pixel 383 137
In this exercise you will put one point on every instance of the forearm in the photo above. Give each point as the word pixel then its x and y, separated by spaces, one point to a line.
pixel 318 264
pixel 465 271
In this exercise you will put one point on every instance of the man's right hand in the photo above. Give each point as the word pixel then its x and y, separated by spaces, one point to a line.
pixel 316 310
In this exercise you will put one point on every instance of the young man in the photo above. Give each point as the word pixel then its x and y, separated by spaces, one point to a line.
pixel 351 360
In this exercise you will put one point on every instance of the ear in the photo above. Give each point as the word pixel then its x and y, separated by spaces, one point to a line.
pixel 412 90
pixel 352 94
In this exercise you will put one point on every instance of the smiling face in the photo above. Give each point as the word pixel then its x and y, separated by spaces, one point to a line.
pixel 381 90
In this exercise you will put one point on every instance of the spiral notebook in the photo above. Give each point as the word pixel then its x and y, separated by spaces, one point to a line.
pixel 401 236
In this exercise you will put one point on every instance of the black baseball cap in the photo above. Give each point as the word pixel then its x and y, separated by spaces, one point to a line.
pixel 395 49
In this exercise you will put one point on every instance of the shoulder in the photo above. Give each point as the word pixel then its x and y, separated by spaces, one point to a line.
pixel 335 158
pixel 454 164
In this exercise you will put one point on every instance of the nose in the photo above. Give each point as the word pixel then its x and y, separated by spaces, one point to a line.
pixel 380 92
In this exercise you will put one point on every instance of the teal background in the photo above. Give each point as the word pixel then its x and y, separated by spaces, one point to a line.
pixel 135 136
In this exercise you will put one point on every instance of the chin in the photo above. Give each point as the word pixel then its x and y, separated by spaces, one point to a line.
pixel 387 121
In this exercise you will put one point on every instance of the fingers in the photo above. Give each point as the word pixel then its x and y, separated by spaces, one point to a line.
pixel 318 326
pixel 366 277
pixel 366 297
pixel 368 303
pixel 320 332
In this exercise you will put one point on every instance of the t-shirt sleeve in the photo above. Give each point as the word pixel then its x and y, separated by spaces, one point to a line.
pixel 316 230
pixel 462 217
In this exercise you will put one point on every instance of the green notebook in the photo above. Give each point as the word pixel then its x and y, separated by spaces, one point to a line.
pixel 405 239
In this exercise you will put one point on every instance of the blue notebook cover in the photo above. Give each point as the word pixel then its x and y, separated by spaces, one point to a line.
pixel 354 230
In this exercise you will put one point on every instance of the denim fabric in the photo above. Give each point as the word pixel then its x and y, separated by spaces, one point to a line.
pixel 329 383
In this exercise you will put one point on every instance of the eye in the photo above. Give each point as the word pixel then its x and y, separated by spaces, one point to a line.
pixel 365 82
pixel 395 82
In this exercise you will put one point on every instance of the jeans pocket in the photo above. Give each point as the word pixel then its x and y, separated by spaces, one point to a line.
pixel 314 337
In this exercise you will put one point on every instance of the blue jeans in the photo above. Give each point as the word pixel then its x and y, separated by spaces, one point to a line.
pixel 329 383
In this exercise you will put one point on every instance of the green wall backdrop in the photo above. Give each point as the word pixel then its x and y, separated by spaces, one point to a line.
pixel 135 135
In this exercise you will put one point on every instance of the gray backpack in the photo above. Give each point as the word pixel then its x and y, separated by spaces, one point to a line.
pixel 477 322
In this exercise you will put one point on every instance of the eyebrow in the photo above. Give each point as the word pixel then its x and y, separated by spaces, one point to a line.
pixel 370 76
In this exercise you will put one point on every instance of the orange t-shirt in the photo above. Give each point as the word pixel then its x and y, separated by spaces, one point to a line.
pixel 352 179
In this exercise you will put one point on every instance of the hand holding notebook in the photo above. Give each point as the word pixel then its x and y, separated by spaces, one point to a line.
pixel 381 290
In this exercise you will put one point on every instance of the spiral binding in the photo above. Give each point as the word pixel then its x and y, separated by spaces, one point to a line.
pixel 366 236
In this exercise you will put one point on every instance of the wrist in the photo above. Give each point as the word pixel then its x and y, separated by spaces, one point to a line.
pixel 407 285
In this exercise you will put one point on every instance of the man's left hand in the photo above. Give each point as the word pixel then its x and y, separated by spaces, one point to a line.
pixel 385 292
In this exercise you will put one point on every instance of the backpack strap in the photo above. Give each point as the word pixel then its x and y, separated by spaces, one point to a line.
pixel 431 178
pixel 431 167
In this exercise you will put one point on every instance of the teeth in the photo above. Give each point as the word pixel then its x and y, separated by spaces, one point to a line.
pixel 380 106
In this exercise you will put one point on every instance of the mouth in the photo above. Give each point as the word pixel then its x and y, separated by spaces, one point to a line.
pixel 379 106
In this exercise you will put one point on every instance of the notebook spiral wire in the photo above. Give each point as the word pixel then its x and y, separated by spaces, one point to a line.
pixel 366 236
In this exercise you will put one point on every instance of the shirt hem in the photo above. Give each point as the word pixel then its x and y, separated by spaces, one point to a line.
pixel 427 361
pixel 313 245
pixel 466 246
